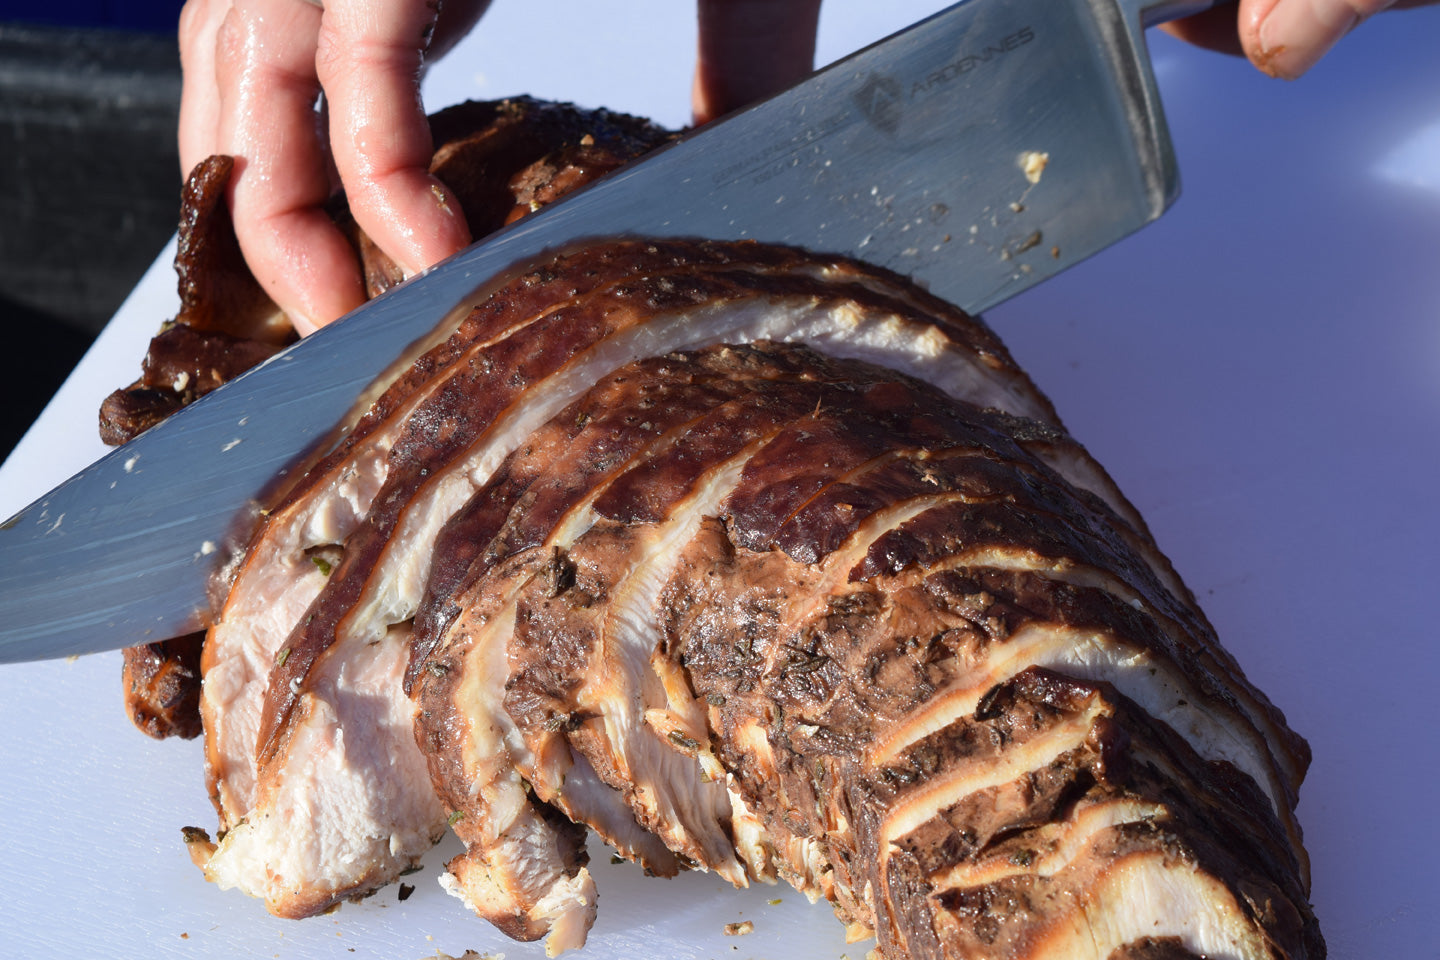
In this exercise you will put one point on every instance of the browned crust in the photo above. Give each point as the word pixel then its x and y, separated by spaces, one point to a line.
pixel 822 678
pixel 217 291
pixel 162 686
pixel 1153 948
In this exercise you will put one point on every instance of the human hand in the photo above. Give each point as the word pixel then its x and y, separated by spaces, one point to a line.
pixel 1284 38
pixel 254 71
pixel 750 49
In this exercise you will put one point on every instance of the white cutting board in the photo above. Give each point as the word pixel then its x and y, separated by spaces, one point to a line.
pixel 1260 371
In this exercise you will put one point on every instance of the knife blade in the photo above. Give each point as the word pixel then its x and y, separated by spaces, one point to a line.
pixel 979 151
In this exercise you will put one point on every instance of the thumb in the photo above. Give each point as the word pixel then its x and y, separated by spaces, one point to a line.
pixel 1285 38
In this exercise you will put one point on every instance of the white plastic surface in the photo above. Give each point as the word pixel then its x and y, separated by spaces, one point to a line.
pixel 1260 371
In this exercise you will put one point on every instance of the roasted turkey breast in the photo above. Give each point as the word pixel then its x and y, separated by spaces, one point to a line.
pixel 751 560
pixel 761 562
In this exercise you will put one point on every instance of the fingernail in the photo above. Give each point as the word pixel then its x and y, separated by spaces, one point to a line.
pixel 1297 33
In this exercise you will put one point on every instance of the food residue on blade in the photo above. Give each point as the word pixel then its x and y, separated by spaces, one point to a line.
pixel 1033 163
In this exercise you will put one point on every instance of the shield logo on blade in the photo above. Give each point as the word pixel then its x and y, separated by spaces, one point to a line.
pixel 879 102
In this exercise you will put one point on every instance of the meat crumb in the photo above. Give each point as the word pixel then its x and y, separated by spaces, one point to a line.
pixel 198 844
pixel 739 929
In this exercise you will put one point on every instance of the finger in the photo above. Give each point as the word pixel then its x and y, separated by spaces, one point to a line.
pixel 751 49
pixel 1285 38
pixel 199 131
pixel 265 68
pixel 369 62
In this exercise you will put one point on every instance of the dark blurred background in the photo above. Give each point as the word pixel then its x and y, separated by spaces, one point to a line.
pixel 89 178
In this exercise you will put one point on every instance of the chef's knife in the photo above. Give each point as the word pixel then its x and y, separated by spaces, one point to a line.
pixel 979 152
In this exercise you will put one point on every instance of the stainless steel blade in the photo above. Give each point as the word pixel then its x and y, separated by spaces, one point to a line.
pixel 979 152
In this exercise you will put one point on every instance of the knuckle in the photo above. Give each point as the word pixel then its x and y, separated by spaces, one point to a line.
pixel 192 20
pixel 198 26
pixel 330 54
pixel 339 59
pixel 230 38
